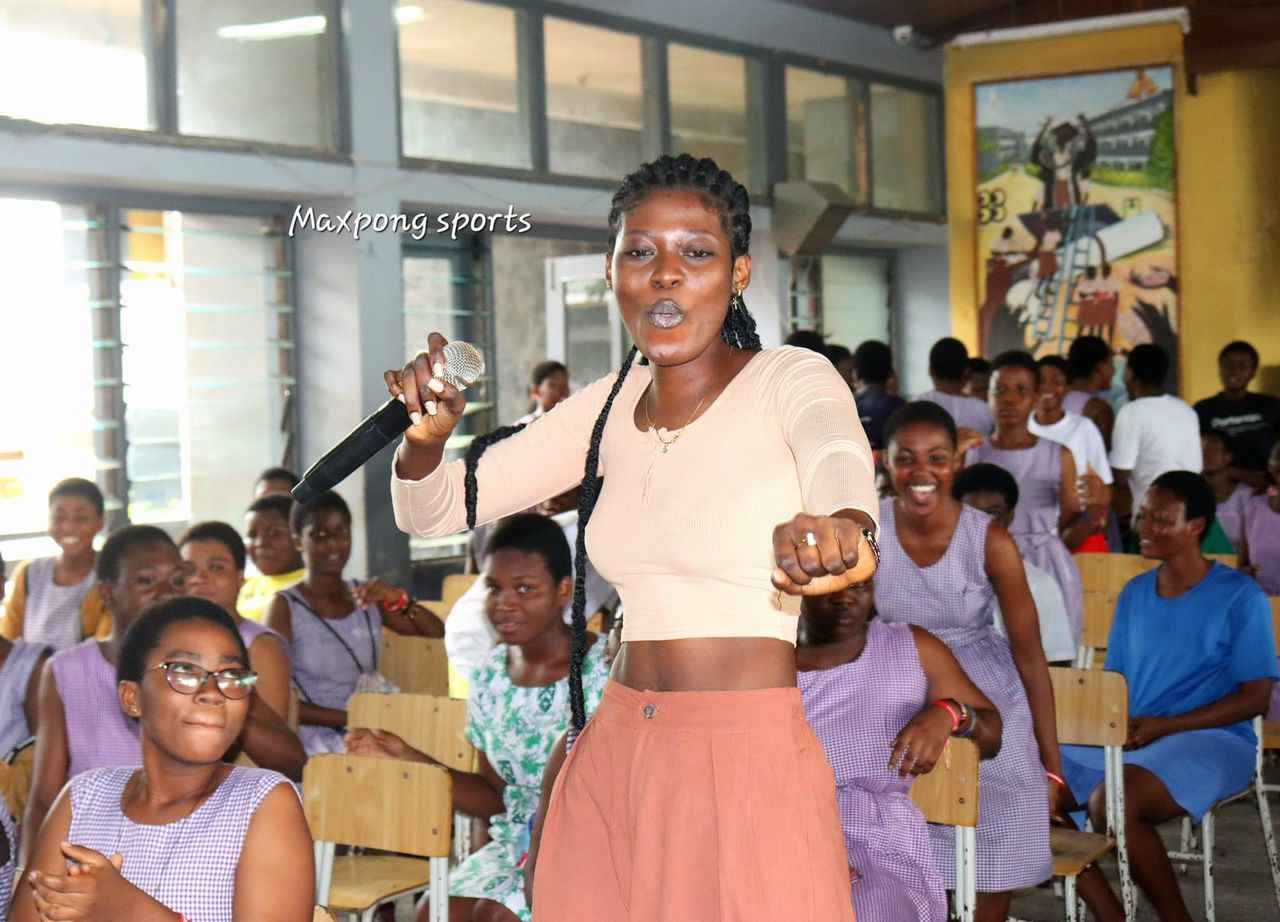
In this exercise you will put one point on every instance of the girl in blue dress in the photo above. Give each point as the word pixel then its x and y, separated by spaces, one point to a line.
pixel 1194 641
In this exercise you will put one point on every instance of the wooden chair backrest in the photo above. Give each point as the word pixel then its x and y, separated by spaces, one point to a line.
pixel 1099 611
pixel 295 702
pixel 321 915
pixel 394 806
pixel 949 794
pixel 455 586
pixel 430 724
pixel 1227 560
pixel 1109 572
pixel 15 780
pixel 417 665
pixel 1092 706
pixel 1275 619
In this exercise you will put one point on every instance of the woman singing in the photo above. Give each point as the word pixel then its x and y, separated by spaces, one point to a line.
pixel 698 792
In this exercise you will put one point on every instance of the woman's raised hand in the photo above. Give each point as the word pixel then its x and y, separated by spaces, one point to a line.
pixel 434 405
pixel 820 554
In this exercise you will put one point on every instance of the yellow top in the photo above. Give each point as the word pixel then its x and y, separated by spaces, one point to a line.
pixel 684 534
pixel 258 591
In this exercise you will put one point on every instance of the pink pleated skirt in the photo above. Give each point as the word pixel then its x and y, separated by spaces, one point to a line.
pixel 694 807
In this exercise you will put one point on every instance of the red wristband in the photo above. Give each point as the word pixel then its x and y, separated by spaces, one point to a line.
pixel 398 604
pixel 956 717
pixel 1058 778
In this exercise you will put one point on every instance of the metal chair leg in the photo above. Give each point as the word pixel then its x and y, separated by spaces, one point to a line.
pixel 1206 843
pixel 1268 836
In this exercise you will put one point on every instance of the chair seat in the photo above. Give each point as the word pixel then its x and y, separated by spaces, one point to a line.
pixel 1073 850
pixel 361 881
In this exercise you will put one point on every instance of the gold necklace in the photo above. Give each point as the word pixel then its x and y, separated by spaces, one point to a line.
pixel 663 444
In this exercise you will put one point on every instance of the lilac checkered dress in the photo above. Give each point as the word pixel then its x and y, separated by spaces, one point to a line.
pixel 953 598
pixel 6 868
pixel 188 865
pixel 856 709
pixel 99 734
pixel 1038 471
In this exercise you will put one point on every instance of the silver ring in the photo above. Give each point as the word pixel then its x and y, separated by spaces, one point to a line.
pixel 810 539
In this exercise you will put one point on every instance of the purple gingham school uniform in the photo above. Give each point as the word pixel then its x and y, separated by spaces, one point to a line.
pixel 99 733
pixel 188 865
pixel 857 709
pixel 953 599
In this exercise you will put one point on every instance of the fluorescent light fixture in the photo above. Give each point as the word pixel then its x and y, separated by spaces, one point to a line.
pixel 278 28
pixel 408 15
pixel 1179 15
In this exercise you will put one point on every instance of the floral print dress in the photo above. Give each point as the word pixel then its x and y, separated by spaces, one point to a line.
pixel 516 727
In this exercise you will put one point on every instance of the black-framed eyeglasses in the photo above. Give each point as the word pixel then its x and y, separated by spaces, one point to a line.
pixel 188 678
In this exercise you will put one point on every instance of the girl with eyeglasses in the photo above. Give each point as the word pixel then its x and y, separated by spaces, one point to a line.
pixel 80 726
pixel 186 836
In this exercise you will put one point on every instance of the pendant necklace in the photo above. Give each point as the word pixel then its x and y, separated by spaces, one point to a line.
pixel 664 445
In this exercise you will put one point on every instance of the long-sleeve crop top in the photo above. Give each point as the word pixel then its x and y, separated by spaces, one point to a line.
pixel 692 555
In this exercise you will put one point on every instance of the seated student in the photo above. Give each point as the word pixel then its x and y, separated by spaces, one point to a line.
pixel 271 550
pixel 977 375
pixel 275 481
pixel 872 371
pixel 21 664
pixel 1193 638
pixel 53 603
pixel 1260 535
pixel 80 725
pixel 215 555
pixel 993 490
pixel 548 385
pixel 186 835
pixel 884 699
pixel 517 709
pixel 1050 517
pixel 1219 457
pixel 948 362
pixel 334 626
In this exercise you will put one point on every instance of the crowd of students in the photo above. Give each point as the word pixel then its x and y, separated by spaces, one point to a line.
pixel 991 482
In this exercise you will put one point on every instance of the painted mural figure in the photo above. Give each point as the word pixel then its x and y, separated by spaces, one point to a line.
pixel 1065 156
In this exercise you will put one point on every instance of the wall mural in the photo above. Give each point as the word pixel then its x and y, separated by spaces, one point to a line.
pixel 1076 211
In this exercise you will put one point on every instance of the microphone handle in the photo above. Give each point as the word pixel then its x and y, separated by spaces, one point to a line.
pixel 374 433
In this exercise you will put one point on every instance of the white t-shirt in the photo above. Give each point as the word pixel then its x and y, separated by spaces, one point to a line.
pixel 468 635
pixel 968 412
pixel 1080 435
pixel 1153 435
pixel 1051 606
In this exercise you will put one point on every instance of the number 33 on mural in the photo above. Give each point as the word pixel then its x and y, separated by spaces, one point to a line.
pixel 1076 211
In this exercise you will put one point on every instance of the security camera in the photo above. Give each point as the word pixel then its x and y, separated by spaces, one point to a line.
pixel 903 34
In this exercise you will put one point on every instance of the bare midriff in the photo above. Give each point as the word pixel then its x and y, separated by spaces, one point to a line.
pixel 706 664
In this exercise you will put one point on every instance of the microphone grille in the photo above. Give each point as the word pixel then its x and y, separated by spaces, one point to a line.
pixel 463 364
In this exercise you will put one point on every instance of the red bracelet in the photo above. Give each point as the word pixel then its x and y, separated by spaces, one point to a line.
pixel 956 717
pixel 398 604
pixel 1058 778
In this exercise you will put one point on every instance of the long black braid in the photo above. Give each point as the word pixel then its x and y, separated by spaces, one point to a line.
pixel 730 198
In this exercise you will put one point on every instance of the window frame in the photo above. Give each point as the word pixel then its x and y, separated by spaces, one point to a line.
pixel 111 438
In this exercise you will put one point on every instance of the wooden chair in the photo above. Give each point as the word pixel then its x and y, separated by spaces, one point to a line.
pixel 1099 611
pixel 379 804
pixel 417 665
pixel 15 778
pixel 1092 709
pixel 948 795
pixel 1227 560
pixel 455 586
pixel 436 726
pixel 322 915
pixel 1109 572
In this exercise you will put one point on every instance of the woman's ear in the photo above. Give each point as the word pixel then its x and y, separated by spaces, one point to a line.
pixel 130 698
pixel 742 272
pixel 564 592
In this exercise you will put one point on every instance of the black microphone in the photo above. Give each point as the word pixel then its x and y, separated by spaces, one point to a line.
pixel 463 364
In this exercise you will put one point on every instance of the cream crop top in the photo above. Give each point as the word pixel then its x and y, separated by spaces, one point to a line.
pixel 694 557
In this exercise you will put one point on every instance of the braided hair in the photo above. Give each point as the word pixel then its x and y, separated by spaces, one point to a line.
pixel 729 198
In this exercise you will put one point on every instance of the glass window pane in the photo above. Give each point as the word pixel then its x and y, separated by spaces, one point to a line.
pixel 258 71
pixel 906 153
pixel 595 107
pixel 826 130
pixel 206 361
pixel 74 61
pixel 709 106
pixel 855 298
pixel 459 85
pixel 44 290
